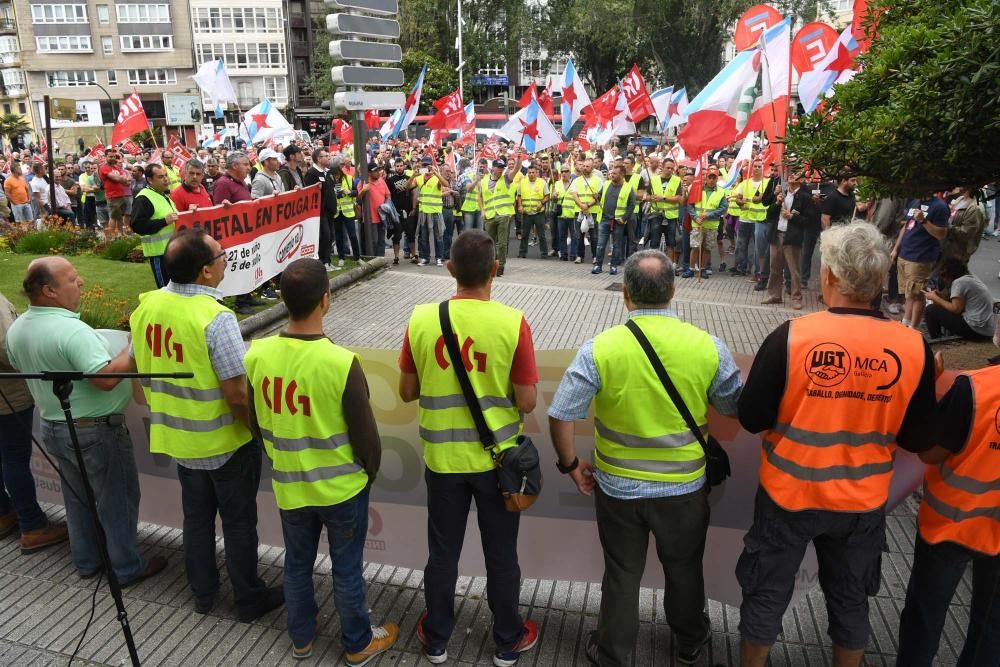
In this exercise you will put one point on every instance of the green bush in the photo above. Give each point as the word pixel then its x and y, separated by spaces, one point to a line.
pixel 43 242
pixel 120 249
pixel 82 240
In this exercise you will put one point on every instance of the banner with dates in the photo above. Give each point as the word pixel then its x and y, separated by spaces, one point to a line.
pixel 261 237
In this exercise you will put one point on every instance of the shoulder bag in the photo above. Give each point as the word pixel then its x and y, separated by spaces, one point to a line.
pixel 717 467
pixel 518 469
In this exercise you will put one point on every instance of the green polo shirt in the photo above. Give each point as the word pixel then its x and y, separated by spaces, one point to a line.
pixel 54 339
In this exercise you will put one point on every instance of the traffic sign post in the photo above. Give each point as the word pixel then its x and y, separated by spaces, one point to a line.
pixel 358 22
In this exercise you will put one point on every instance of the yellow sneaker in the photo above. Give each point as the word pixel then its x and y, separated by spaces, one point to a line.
pixel 383 639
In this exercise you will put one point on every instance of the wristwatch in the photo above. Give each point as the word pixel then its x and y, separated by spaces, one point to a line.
pixel 570 468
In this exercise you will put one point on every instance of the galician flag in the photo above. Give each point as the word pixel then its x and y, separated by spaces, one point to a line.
pixel 409 110
pixel 661 102
pixel 574 98
pixel 532 129
pixel 714 117
pixel 677 112
pixel 742 159
pixel 265 123
pixel 214 82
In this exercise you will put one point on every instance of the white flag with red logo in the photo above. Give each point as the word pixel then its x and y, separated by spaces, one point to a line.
pixel 491 149
pixel 131 147
pixel 131 119
pixel 96 152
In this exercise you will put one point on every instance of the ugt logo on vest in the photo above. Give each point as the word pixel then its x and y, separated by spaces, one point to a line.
pixel 442 357
pixel 160 342
pixel 274 390
pixel 828 364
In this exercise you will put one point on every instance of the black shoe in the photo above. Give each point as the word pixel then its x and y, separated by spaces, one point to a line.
pixel 154 566
pixel 91 575
pixel 204 605
pixel 244 309
pixel 269 601
pixel 735 271
pixel 395 260
pixel 722 267
pixel 500 272
pixel 590 650
pixel 691 656
pixel 269 294
pixel 760 286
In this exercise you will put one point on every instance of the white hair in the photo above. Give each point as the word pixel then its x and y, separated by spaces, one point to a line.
pixel 858 255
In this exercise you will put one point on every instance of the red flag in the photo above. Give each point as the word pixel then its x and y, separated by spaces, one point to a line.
pixel 530 93
pixel 602 110
pixel 450 113
pixel 491 149
pixel 372 120
pixel 857 26
pixel 156 157
pixel 694 194
pixel 640 105
pixel 343 131
pixel 132 148
pixel 43 147
pixel 752 23
pixel 131 119
pixel 96 152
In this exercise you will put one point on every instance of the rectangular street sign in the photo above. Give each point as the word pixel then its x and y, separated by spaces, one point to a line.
pixel 372 52
pixel 362 26
pixel 383 7
pixel 362 101
pixel 351 75
pixel 61 108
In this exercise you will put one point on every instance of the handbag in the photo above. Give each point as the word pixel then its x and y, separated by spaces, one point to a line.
pixel 717 467
pixel 518 468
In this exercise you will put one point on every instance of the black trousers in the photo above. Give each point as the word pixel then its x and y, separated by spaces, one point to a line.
pixel 449 497
pixel 325 250
pixel 937 318
pixel 231 493
pixel 679 525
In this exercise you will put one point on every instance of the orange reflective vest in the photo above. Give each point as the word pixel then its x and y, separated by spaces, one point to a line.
pixel 962 495
pixel 849 381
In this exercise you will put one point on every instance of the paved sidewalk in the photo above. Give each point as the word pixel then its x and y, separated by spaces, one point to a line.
pixel 45 605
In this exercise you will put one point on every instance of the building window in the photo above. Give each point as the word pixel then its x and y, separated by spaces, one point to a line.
pixel 245 56
pixel 107 45
pixel 13 77
pixel 151 77
pixel 103 14
pixel 143 13
pixel 112 77
pixel 237 19
pixel 58 13
pixel 22 107
pixel 146 42
pixel 532 68
pixel 64 43
pixel 276 89
pixel 66 78
pixel 7 107
pixel 493 70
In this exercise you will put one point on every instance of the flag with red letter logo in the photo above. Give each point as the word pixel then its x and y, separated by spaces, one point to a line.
pixel 640 105
pixel 131 119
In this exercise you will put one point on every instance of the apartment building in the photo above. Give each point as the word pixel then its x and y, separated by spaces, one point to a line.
pixel 252 41
pixel 13 89
pixel 98 51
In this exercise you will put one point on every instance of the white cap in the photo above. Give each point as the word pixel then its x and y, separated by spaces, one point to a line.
pixel 266 154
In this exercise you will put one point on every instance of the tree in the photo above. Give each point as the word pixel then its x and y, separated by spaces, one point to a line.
pixel 924 112
pixel 13 125
pixel 440 80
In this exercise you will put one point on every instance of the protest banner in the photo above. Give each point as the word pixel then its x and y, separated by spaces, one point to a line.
pixel 261 236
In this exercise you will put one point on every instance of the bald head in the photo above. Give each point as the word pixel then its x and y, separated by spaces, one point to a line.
pixel 649 280
pixel 53 282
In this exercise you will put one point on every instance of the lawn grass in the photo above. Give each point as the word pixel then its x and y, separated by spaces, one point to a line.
pixel 111 289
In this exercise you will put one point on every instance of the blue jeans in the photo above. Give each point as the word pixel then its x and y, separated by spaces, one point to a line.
pixel 231 493
pixel 746 255
pixel 567 228
pixel 762 248
pixel 809 239
pixel 685 247
pixel 449 498
pixel 604 234
pixel 471 220
pixel 453 226
pixel 346 527
pixel 345 227
pixel 107 454
pixel 22 212
pixel 427 223
pixel 18 490
pixel 937 570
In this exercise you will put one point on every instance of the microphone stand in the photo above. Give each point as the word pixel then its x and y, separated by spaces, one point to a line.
pixel 62 386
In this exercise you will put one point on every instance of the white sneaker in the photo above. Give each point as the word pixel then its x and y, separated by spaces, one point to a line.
pixel 895 308
pixel 578 261
pixel 439 262
pixel 340 263
pixel 422 262
pixel 330 267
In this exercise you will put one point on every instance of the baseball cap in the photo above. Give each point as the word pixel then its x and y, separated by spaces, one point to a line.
pixel 427 159
pixel 374 166
pixel 500 164
pixel 267 154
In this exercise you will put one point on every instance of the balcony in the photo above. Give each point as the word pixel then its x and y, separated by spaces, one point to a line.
pixel 297 21
pixel 300 49
pixel 10 59
pixel 8 26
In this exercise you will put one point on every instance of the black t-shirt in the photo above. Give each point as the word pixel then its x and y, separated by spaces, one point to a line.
pixel 839 207
pixel 208 181
pixel 765 386
pixel 954 415
pixel 402 198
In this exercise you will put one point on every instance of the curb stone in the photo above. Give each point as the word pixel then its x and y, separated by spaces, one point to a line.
pixel 268 317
